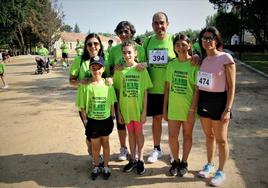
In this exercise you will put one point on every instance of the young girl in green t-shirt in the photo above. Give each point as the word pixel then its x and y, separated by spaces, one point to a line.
pixel 131 86
pixel 180 102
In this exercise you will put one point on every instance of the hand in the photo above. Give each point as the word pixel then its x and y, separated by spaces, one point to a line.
pixel 141 66
pixel 143 118
pixel 109 81
pixel 191 117
pixel 226 115
pixel 195 61
pixel 120 118
pixel 85 81
pixel 118 67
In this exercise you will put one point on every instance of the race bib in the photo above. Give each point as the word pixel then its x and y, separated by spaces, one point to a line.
pixel 158 56
pixel 204 79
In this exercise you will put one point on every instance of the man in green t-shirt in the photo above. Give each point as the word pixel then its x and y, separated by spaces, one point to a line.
pixel 79 47
pixel 159 51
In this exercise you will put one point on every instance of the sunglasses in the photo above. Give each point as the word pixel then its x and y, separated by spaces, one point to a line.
pixel 90 44
pixel 123 31
pixel 208 38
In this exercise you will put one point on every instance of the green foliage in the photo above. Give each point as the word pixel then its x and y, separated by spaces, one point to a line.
pixel 66 28
pixel 192 34
pixel 24 23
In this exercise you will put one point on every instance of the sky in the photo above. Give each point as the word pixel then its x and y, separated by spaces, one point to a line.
pixel 104 15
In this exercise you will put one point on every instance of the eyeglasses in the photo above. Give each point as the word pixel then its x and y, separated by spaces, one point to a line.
pixel 90 44
pixel 124 31
pixel 208 38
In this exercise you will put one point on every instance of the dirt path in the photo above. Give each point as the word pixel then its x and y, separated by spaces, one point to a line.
pixel 42 140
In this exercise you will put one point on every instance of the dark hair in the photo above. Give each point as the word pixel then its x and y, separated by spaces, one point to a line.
pixel 86 55
pixel 182 37
pixel 215 33
pixel 130 43
pixel 124 24
pixel 158 13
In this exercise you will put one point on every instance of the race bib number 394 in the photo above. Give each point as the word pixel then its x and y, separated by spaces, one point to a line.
pixel 158 56
pixel 204 79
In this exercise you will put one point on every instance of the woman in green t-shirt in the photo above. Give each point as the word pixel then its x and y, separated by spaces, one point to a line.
pixel 79 70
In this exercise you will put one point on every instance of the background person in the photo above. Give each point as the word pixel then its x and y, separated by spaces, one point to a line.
pixel 216 82
pixel 65 53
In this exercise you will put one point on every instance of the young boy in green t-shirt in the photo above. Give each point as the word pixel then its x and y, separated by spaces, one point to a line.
pixel 96 102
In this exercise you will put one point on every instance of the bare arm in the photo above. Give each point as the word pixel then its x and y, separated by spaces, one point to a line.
pixel 165 105
pixel 231 80
pixel 75 82
pixel 144 112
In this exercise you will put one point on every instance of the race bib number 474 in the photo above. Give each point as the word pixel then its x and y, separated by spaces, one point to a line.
pixel 204 79
pixel 158 56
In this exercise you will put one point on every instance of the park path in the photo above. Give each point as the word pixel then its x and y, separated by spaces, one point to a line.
pixel 42 139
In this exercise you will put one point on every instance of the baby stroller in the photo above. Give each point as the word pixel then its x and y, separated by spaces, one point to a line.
pixel 42 64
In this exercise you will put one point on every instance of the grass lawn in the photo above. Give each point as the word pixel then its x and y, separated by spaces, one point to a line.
pixel 257 60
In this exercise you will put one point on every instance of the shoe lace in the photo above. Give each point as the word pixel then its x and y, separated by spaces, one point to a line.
pixel 106 170
pixel 155 153
pixel 95 170
pixel 217 175
pixel 123 151
pixel 207 167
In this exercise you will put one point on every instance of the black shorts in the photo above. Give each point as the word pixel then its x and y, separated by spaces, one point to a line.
pixel 64 55
pixel 211 104
pixel 98 128
pixel 155 104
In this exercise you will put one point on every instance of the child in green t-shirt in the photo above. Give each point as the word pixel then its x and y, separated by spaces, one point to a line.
pixel 131 86
pixel 2 73
pixel 180 101
pixel 96 102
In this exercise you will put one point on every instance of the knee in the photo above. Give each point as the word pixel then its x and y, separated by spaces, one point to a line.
pixel 187 138
pixel 222 142
pixel 210 137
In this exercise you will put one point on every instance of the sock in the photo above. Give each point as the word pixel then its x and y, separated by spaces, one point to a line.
pixel 158 148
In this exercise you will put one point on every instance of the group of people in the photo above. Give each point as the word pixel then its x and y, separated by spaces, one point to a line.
pixel 162 79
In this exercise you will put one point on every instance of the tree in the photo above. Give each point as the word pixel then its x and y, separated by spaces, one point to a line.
pixel 66 28
pixel 192 34
pixel 252 13
pixel 26 22
pixel 232 22
pixel 76 28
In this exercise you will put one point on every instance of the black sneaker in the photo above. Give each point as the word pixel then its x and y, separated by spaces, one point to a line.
pixel 106 173
pixel 183 169
pixel 140 167
pixel 174 168
pixel 95 172
pixel 130 166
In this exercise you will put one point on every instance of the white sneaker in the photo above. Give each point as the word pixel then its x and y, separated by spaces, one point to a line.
pixel 154 156
pixel 123 154
pixel 5 87
pixel 206 171
pixel 171 158
pixel 218 178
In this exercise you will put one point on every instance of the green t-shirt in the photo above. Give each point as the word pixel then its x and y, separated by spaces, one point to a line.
pixel 82 69
pixel 2 68
pixel 161 50
pixel 64 48
pixel 42 51
pixel 182 79
pixel 116 56
pixel 79 48
pixel 96 100
pixel 131 85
